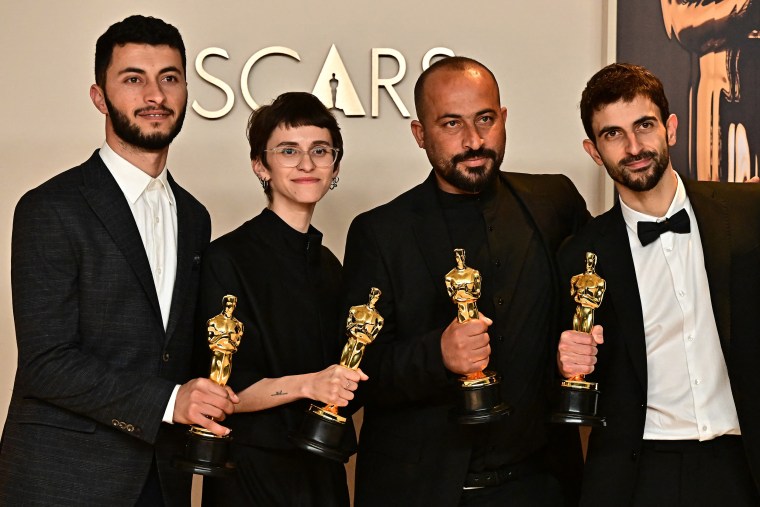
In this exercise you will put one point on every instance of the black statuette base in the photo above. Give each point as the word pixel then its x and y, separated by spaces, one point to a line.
pixel 206 456
pixel 480 404
pixel 321 436
pixel 578 406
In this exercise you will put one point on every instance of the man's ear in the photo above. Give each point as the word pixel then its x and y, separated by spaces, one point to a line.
pixel 418 131
pixel 98 98
pixel 671 126
pixel 590 148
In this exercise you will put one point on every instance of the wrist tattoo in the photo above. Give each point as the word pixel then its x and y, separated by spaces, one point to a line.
pixel 278 393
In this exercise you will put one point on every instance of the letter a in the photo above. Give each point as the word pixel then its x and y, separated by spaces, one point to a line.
pixel 334 87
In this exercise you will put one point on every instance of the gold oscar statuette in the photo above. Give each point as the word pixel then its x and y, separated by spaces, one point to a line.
pixel 205 452
pixel 480 396
pixel 323 427
pixel 577 397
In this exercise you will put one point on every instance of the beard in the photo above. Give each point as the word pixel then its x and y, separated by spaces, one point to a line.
pixel 131 133
pixel 470 179
pixel 645 181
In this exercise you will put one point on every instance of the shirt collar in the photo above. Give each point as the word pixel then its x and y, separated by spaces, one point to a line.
pixel 131 179
pixel 680 201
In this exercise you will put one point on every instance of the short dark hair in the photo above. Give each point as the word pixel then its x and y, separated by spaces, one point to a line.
pixel 291 109
pixel 136 30
pixel 620 81
pixel 460 63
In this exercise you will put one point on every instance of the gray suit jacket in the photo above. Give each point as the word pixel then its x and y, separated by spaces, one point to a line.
pixel 728 216
pixel 95 366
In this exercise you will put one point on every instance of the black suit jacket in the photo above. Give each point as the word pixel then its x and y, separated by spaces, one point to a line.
pixel 410 453
pixel 95 366
pixel 728 217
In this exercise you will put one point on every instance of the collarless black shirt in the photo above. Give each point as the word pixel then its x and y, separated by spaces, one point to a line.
pixel 498 236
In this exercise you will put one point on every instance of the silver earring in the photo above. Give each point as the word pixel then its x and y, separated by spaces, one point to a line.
pixel 264 184
pixel 334 183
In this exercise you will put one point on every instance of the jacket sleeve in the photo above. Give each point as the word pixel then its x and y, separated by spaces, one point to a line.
pixel 56 366
pixel 404 363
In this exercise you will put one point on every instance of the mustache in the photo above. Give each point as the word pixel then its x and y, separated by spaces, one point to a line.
pixel 151 110
pixel 470 154
pixel 641 156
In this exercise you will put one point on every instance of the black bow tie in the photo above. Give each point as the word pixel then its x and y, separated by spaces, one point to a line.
pixel 650 231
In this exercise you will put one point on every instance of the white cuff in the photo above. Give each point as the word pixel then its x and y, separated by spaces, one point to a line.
pixel 169 412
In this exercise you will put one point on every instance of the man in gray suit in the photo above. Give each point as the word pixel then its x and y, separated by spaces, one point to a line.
pixel 104 271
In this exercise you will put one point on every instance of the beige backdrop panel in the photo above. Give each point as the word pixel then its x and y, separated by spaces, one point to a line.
pixel 541 51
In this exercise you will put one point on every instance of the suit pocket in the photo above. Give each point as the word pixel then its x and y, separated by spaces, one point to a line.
pixel 33 411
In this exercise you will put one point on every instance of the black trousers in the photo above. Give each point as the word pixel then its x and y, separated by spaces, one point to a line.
pixel 695 474
pixel 536 490
pixel 278 478
pixel 151 495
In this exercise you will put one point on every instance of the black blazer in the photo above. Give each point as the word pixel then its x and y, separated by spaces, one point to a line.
pixel 409 451
pixel 95 366
pixel 729 224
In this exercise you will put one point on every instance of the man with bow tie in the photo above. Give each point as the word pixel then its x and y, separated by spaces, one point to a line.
pixel 677 368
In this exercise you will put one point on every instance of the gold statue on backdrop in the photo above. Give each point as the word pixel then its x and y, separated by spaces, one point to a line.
pixel 722 38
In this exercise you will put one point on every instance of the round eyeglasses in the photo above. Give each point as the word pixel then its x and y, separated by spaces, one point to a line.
pixel 290 156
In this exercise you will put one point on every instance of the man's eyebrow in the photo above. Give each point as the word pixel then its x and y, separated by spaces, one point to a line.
pixel 138 70
pixel 606 129
pixel 171 68
pixel 646 118
pixel 457 116
pixel 132 70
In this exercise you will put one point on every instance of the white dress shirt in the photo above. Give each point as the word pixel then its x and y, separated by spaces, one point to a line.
pixel 688 390
pixel 151 201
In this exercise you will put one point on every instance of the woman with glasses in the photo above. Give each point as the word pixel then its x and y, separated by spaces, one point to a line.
pixel 287 286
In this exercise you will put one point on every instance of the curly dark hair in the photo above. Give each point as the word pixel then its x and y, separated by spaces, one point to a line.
pixel 620 81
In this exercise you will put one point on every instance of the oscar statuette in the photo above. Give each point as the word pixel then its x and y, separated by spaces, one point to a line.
pixel 577 399
pixel 479 393
pixel 322 428
pixel 205 452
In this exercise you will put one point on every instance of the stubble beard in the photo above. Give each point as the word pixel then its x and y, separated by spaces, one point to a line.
pixel 641 182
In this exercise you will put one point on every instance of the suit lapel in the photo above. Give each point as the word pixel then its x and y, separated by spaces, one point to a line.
pixel 186 257
pixel 711 213
pixel 615 265
pixel 108 202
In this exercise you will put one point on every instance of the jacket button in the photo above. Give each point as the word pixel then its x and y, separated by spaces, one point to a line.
pixel 166 357
pixel 114 422
pixel 635 455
